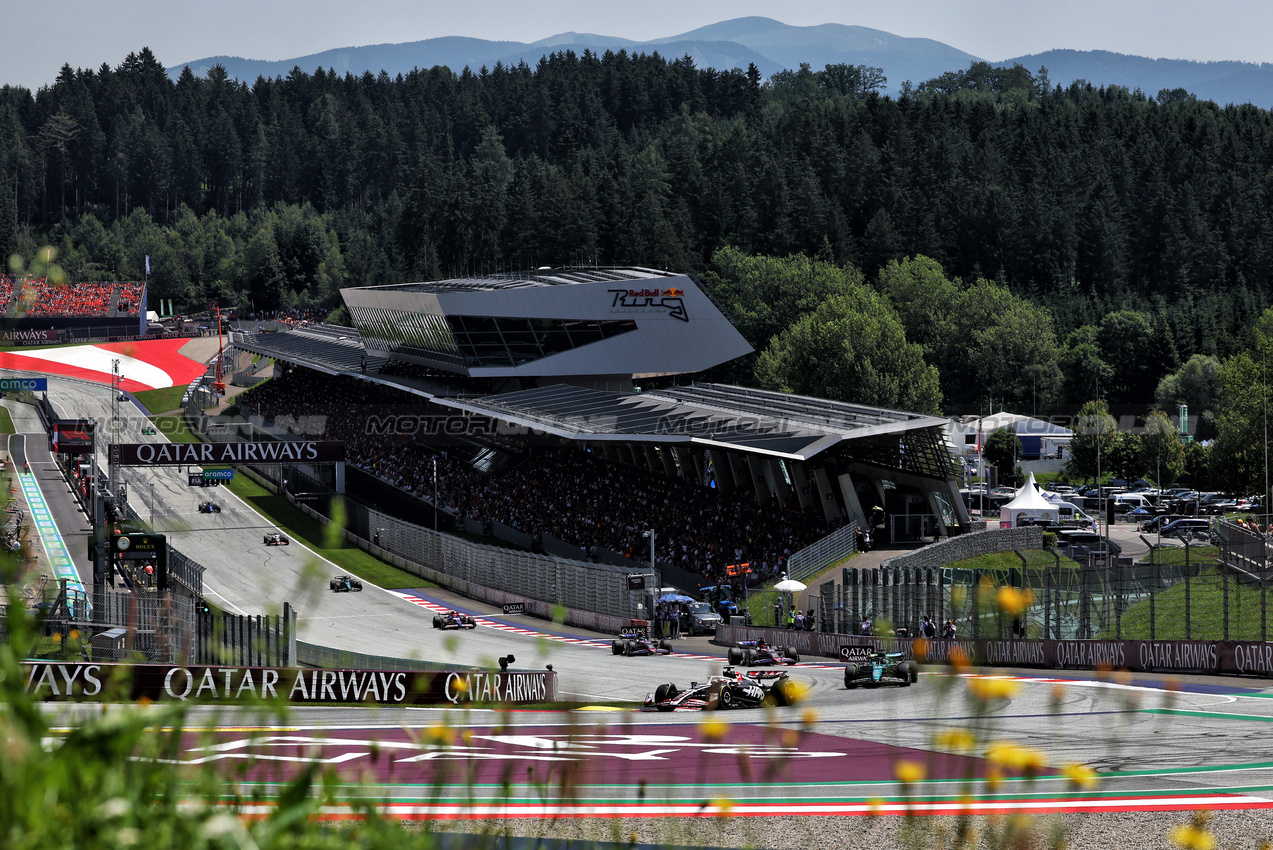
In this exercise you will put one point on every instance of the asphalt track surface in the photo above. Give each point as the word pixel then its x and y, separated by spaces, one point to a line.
pixel 731 778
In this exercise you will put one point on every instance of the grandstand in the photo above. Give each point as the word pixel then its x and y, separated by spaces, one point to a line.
pixel 72 310
pixel 554 435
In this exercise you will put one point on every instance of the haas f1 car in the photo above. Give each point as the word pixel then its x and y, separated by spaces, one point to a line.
pixel 731 689
pixel 881 668
pixel 276 538
pixel 757 653
pixel 453 620
pixel 638 642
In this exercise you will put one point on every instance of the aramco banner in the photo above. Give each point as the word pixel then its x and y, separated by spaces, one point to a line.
pixel 84 682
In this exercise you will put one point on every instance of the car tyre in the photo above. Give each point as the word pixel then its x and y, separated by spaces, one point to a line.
pixel 749 657
pixel 663 693
pixel 850 676
pixel 627 648
pixel 785 691
pixel 735 656
pixel 726 700
pixel 616 648
pixel 665 645
pixel 905 669
pixel 791 653
pixel 437 622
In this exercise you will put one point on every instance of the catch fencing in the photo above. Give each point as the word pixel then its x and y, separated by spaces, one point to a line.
pixel 824 553
pixel 1179 592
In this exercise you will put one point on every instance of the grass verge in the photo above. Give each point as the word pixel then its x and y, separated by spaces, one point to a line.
pixel 161 400
pixel 6 422
pixel 174 428
pixel 313 534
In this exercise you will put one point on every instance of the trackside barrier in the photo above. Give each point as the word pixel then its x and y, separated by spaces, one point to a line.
pixel 499 576
pixel 592 596
pixel 221 684
pixel 1218 657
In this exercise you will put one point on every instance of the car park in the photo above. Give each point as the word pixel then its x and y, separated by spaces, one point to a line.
pixel 731 689
pixel 345 584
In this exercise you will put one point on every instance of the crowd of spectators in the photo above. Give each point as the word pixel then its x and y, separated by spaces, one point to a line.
pixel 36 296
pixel 290 318
pixel 572 494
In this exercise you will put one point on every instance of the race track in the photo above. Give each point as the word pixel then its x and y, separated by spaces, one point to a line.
pixel 1153 745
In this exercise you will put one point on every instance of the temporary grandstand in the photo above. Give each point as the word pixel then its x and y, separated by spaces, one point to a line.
pixel 63 311
pixel 557 355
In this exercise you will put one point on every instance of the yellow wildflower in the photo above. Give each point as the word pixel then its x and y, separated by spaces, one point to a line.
pixel 908 772
pixel 713 730
pixel 1081 777
pixel 1193 838
pixel 723 806
pixel 955 739
pixel 1024 760
pixel 989 689
pixel 1013 601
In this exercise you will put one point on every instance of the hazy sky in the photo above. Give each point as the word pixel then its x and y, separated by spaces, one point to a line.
pixel 42 35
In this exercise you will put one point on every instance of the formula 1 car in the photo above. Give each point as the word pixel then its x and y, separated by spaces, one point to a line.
pixel 453 620
pixel 757 653
pixel 276 538
pixel 883 668
pixel 148 430
pixel 344 584
pixel 731 689
pixel 638 642
pixel 209 508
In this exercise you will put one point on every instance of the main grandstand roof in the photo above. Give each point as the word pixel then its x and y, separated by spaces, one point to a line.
pixel 542 277
pixel 751 420
pixel 756 421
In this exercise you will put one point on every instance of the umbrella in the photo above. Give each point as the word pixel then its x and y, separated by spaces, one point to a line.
pixel 790 585
pixel 675 597
pixel 1140 512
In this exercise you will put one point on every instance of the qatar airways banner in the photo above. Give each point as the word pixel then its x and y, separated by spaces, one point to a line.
pixel 200 454
pixel 1217 657
pixel 79 682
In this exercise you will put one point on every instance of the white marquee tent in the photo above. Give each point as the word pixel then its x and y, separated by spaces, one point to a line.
pixel 1027 504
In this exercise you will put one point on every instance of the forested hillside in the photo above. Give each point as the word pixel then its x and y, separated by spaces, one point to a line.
pixel 1108 235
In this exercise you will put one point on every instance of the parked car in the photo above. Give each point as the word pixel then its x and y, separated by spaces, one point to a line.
pixel 1188 529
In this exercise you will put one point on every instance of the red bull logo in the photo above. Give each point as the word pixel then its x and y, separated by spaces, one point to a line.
pixel 673 293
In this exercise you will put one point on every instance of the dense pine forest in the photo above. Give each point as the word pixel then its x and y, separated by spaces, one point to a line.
pixel 1033 244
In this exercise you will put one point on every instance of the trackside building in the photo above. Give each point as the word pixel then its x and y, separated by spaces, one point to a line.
pixel 595 357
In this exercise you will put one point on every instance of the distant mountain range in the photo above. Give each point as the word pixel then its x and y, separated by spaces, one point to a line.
pixel 773 46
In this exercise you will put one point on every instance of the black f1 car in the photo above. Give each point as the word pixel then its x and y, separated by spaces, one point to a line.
pixel 881 668
pixel 276 538
pixel 638 642
pixel 209 508
pixel 757 653
pixel 453 620
pixel 731 689
pixel 344 584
